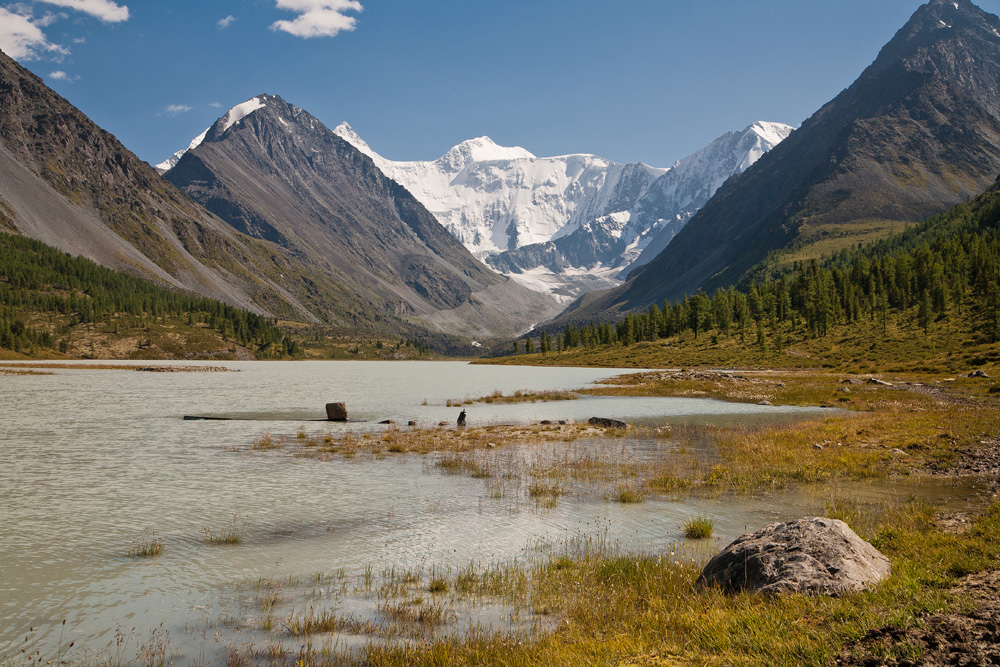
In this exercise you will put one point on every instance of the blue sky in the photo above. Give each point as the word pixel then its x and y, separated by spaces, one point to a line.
pixel 649 80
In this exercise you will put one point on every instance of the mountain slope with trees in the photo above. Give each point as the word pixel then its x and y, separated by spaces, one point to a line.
pixel 928 296
pixel 918 132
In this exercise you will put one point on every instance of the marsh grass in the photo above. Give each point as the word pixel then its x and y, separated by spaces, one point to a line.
pixel 146 545
pixel 266 443
pixel 699 528
pixel 592 601
pixel 519 396
pixel 231 533
pixel 628 495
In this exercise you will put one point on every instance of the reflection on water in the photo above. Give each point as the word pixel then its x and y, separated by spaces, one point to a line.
pixel 89 459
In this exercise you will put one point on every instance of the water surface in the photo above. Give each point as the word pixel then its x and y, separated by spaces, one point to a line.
pixel 91 458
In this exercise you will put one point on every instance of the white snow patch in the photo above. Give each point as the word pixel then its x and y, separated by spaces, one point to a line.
pixel 241 111
pixel 172 161
pixel 569 284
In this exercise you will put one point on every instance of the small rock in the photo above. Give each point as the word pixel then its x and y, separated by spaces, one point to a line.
pixel 491 445
pixel 881 383
pixel 813 555
pixel 780 384
pixel 897 450
pixel 977 374
pixel 444 423
pixel 764 403
pixel 545 422
pixel 604 422
pixel 336 412
pixel 411 423
pixel 388 421
pixel 817 446
pixel 846 390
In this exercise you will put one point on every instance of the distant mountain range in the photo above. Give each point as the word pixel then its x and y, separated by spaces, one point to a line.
pixel 272 211
pixel 918 132
pixel 275 172
pixel 308 228
pixel 573 223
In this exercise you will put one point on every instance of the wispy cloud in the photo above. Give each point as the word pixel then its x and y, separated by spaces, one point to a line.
pixel 21 39
pixel 60 75
pixel 215 105
pixel 318 18
pixel 226 22
pixel 175 109
pixel 106 10
pixel 49 19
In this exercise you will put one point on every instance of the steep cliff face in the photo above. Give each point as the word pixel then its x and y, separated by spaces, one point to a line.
pixel 918 132
pixel 274 172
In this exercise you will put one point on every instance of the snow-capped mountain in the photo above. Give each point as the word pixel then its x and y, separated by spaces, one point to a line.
pixel 494 198
pixel 572 223
pixel 563 225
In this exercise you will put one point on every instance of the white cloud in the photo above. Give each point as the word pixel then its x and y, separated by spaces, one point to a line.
pixel 60 75
pixel 49 19
pixel 23 40
pixel 106 10
pixel 175 109
pixel 215 105
pixel 225 23
pixel 317 18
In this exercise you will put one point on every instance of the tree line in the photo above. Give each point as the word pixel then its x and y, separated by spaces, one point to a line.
pixel 948 266
pixel 37 279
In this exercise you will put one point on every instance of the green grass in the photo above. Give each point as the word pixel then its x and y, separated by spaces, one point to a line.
pixel 699 528
pixel 616 607
pixel 628 495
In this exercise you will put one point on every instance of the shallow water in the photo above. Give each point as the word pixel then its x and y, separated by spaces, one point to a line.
pixel 91 458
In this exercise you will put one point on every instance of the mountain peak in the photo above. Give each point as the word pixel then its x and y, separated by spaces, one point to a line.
pixel 347 133
pixel 482 149
pixel 773 133
pixel 239 112
pixel 219 127
pixel 929 40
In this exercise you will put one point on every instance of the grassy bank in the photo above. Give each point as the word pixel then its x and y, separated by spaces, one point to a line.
pixel 593 602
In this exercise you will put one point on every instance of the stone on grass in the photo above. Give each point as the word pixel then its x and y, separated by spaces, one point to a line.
pixel 813 555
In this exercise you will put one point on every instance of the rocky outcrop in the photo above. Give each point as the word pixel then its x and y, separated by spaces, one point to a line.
pixel 813 555
pixel 604 422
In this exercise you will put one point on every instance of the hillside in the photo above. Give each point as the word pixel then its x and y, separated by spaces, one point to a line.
pixel 55 305
pixel 72 185
pixel 918 132
pixel 927 299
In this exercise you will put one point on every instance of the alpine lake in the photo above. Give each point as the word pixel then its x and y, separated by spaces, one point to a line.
pixel 98 464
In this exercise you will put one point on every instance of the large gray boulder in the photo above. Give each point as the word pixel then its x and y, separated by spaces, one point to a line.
pixel 812 555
